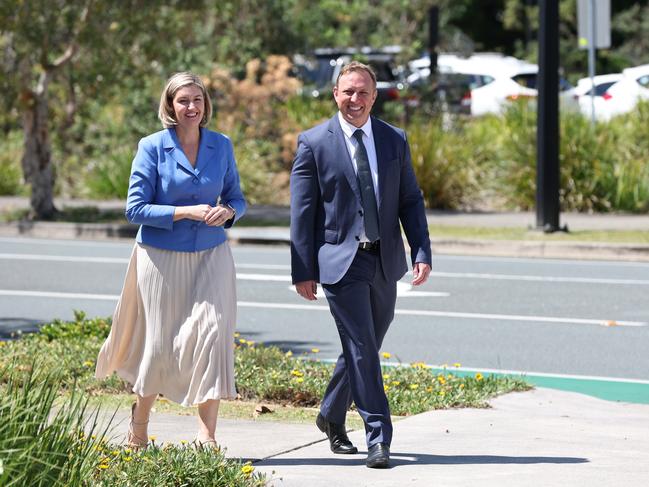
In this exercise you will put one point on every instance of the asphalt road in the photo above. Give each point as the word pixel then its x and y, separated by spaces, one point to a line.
pixel 581 318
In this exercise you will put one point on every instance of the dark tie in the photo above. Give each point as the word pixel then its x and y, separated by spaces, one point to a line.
pixel 370 211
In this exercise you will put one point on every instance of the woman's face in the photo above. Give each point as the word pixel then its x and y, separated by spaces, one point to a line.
pixel 189 106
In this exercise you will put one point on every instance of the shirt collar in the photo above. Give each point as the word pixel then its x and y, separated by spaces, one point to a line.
pixel 349 129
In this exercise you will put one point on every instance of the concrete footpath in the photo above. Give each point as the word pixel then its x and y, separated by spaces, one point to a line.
pixel 538 438
pixel 269 225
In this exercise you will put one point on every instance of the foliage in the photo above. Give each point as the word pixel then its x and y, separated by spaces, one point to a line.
pixel 448 162
pixel 262 373
pixel 57 443
pixel 173 465
pixel 41 445
pixel 11 182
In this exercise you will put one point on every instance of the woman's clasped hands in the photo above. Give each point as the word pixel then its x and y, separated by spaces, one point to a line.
pixel 211 215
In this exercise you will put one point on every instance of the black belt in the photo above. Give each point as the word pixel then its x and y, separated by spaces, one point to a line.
pixel 369 246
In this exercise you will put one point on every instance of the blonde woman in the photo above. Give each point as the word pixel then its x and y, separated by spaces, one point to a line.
pixel 172 331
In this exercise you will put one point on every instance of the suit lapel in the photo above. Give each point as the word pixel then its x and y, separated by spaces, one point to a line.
pixel 341 154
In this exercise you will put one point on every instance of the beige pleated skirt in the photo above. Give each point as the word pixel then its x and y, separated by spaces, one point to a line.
pixel 173 328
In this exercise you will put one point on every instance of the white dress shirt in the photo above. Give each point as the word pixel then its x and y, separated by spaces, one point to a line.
pixel 368 142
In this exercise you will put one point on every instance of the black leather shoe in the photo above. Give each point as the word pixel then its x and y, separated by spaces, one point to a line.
pixel 378 456
pixel 338 440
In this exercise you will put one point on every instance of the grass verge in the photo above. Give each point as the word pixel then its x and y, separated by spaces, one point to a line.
pixel 505 233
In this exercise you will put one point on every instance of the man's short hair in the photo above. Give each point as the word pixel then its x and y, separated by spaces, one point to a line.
pixel 166 112
pixel 357 66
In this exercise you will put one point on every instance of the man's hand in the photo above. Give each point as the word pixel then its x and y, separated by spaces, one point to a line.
pixel 420 273
pixel 307 289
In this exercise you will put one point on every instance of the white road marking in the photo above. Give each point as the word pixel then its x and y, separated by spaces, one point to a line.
pixel 65 258
pixel 313 307
pixel 404 290
pixel 287 278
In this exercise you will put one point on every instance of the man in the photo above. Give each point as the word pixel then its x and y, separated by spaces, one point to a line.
pixel 352 183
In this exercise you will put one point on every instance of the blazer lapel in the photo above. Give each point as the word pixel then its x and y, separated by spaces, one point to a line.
pixel 206 152
pixel 341 154
pixel 172 145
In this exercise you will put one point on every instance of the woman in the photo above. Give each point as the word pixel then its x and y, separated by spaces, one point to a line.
pixel 172 331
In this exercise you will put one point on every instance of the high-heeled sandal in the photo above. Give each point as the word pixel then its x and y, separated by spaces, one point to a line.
pixel 132 440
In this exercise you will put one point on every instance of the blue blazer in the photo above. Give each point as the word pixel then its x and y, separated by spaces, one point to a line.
pixel 162 178
pixel 326 208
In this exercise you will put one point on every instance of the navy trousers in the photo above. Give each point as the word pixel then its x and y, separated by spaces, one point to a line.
pixel 362 304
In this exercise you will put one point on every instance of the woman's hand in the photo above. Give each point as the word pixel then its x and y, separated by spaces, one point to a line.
pixel 195 212
pixel 218 215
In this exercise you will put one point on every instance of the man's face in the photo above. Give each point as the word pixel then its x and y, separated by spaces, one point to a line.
pixel 355 95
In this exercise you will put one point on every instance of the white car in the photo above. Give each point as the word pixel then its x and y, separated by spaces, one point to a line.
pixel 494 79
pixel 598 98
pixel 614 94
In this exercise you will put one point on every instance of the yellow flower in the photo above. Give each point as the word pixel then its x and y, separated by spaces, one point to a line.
pixel 88 363
pixel 152 438
pixel 461 386
pixel 297 373
pixel 315 350
pixel 429 389
pixel 457 365
pixel 386 387
pixel 478 376
pixel 386 354
pixel 242 340
pixel 442 393
pixel 419 365
pixel 127 459
pixel 103 466
pixel 237 335
pixel 288 354
pixel 183 442
pixel 413 386
pixel 127 451
pixel 299 380
pixel 115 453
pixel 2 344
pixel 441 379
pixel 395 382
pixel 247 469
pixel 386 376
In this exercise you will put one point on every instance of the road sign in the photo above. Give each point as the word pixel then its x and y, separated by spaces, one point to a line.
pixel 598 25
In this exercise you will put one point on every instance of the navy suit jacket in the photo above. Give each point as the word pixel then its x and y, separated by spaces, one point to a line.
pixel 326 208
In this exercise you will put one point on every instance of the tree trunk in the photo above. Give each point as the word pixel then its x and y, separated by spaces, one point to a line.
pixel 37 158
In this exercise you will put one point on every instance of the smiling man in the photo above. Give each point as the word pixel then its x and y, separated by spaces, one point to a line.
pixel 352 183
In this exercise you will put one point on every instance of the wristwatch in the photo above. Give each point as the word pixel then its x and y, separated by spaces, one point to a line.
pixel 234 212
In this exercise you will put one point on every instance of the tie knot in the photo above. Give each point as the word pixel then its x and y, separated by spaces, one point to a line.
pixel 358 135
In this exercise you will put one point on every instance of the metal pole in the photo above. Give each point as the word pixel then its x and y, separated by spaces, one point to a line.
pixel 592 36
pixel 547 145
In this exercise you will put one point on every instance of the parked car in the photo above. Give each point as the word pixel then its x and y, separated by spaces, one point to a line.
pixel 319 71
pixel 614 94
pixel 494 79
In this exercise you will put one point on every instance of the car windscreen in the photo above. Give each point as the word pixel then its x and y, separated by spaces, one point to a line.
pixel 601 88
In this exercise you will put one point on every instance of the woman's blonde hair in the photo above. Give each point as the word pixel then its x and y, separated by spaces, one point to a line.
pixel 166 112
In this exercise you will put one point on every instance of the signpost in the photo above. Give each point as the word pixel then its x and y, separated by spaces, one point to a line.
pixel 594 31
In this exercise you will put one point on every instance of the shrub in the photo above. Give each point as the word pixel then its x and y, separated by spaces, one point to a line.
pixel 11 153
pixel 449 164
pixel 40 445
